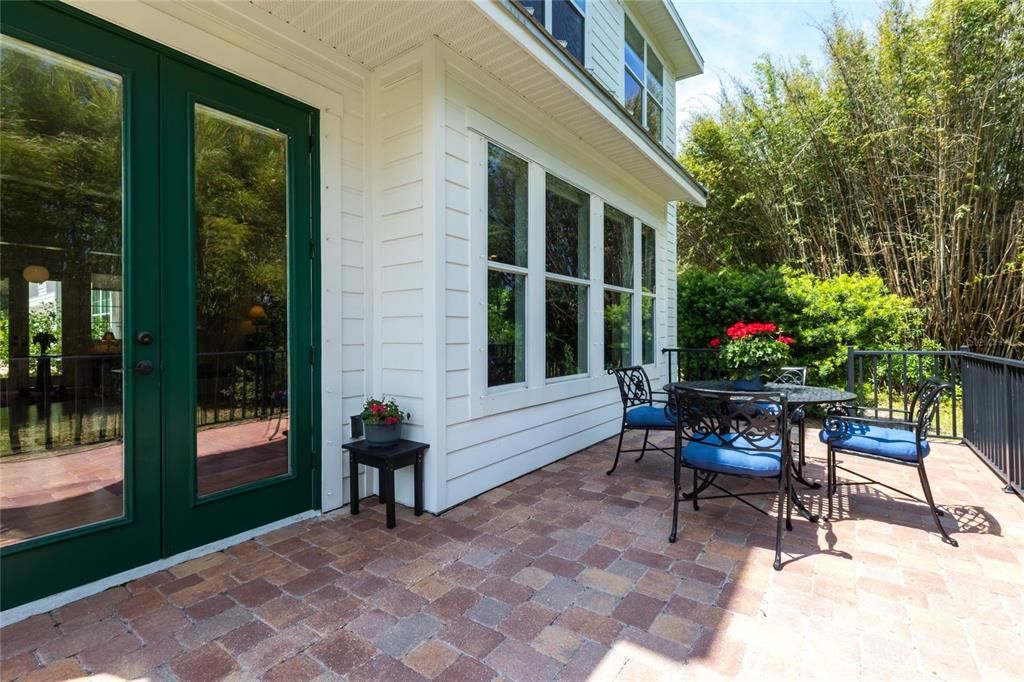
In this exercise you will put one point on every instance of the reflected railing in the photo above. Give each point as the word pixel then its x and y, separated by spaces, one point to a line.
pixel 63 402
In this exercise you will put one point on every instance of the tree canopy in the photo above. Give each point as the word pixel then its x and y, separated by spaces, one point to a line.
pixel 903 156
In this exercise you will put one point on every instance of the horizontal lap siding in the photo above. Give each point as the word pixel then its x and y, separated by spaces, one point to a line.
pixel 606 25
pixel 399 237
pixel 484 451
pixel 669 132
pixel 456 263
pixel 345 305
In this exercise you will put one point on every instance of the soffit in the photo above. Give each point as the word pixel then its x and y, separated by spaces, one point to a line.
pixel 373 33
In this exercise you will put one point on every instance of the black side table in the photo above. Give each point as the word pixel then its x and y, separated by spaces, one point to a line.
pixel 386 460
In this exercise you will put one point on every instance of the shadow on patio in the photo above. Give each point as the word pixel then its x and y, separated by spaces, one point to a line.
pixel 567 573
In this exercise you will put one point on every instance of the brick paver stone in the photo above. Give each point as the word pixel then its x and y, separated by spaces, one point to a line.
pixel 567 574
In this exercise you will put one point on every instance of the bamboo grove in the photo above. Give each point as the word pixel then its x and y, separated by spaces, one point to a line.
pixel 902 156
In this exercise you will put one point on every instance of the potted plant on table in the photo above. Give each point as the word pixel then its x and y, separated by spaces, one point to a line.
pixel 752 350
pixel 382 422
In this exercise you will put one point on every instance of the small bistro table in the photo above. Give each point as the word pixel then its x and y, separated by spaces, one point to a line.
pixel 386 460
pixel 797 396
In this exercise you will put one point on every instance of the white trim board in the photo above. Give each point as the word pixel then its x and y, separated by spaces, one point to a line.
pixel 55 601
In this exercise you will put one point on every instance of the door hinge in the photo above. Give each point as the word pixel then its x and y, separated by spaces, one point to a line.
pixel 312 249
pixel 312 355
pixel 312 144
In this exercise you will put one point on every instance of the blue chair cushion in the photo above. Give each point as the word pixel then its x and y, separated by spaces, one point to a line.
pixel 649 417
pixel 874 440
pixel 723 454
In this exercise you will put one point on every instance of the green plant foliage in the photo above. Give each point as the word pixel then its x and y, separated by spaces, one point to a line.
pixel 824 316
pixel 903 155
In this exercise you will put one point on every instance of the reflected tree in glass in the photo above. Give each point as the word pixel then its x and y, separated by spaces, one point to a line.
pixel 506 328
pixel 566 329
pixel 618 329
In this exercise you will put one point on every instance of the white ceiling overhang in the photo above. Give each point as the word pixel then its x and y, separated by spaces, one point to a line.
pixel 502 41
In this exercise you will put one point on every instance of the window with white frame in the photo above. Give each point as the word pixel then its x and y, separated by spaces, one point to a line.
pixel 648 292
pixel 618 288
pixel 563 19
pixel 567 284
pixel 644 81
pixel 507 228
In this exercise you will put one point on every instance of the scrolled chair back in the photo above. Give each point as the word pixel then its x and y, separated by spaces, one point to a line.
pixel 933 387
pixel 752 421
pixel 793 376
pixel 634 386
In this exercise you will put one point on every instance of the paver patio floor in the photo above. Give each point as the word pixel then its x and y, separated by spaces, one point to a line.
pixel 567 573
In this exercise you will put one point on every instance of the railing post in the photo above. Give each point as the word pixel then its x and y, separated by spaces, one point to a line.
pixel 849 369
pixel 965 412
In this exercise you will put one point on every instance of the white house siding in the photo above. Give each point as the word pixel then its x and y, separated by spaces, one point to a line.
pixel 226 35
pixel 488 445
pixel 606 26
pixel 669 131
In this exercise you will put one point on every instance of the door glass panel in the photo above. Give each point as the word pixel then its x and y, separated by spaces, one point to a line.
pixel 61 314
pixel 241 204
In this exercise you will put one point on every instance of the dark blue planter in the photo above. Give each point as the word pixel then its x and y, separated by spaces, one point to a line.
pixel 752 382
pixel 382 435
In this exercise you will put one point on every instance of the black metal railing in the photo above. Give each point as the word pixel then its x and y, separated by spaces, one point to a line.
pixel 993 414
pixel 693 364
pixel 67 401
pixel 985 409
pixel 885 382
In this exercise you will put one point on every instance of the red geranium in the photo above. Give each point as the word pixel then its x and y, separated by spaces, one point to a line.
pixel 753 345
pixel 382 412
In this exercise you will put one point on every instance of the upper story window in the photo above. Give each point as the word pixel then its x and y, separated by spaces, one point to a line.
pixel 564 19
pixel 644 81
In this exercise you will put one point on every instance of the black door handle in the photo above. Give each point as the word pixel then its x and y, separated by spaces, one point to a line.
pixel 143 367
pixel 144 338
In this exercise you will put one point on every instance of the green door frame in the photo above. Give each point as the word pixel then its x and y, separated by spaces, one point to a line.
pixel 191 521
pixel 48 565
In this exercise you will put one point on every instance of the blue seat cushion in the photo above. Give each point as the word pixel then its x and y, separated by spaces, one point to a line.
pixel 649 417
pixel 729 455
pixel 874 440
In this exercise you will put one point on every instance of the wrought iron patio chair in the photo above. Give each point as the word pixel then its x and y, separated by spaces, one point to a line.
pixel 892 440
pixel 736 434
pixel 796 376
pixel 640 410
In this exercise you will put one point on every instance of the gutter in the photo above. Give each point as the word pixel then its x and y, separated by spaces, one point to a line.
pixel 596 86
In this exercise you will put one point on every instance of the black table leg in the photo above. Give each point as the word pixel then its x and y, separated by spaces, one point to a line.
pixel 418 484
pixel 382 496
pixel 388 476
pixel 353 484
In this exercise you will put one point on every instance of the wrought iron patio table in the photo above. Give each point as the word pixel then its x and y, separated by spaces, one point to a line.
pixel 797 396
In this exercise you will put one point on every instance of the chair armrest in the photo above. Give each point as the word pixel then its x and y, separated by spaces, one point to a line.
pixel 872 420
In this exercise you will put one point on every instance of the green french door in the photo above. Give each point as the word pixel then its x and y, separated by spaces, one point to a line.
pixel 237 282
pixel 157 291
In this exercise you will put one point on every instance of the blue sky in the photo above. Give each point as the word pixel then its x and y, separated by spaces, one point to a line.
pixel 731 35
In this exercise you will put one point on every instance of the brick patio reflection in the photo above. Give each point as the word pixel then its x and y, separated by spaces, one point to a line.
pixel 567 573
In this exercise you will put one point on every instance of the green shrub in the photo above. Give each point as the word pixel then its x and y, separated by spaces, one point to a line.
pixel 710 301
pixel 823 315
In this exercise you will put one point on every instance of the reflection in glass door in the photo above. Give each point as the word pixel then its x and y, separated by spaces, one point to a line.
pixel 241 256
pixel 61 324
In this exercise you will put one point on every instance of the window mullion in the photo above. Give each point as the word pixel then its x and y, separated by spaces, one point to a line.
pixel 596 364
pixel 637 312
pixel 535 362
